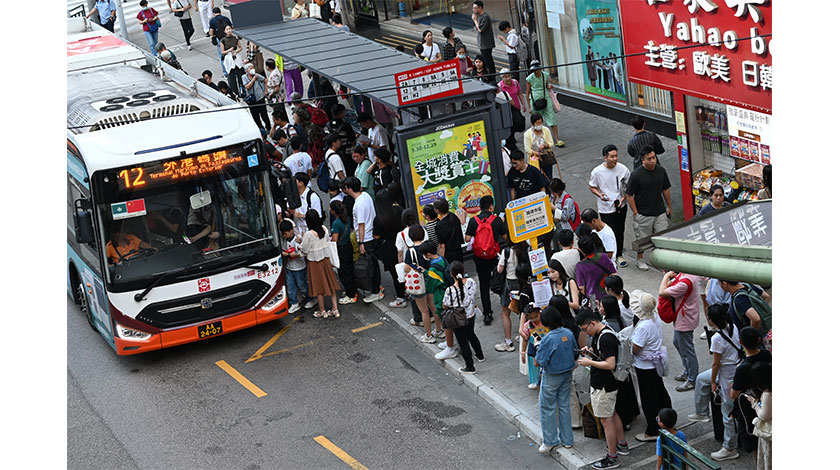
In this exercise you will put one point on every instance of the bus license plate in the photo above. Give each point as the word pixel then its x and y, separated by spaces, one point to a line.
pixel 210 329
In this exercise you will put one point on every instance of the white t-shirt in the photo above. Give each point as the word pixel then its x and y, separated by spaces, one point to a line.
pixel 377 136
pixel 335 5
pixel 513 40
pixel 335 165
pixel 300 223
pixel 569 259
pixel 612 182
pixel 363 212
pixel 648 336
pixel 510 267
pixel 299 162
pixel 338 197
pixel 728 354
pixel 404 241
pixel 430 52
pixel 608 239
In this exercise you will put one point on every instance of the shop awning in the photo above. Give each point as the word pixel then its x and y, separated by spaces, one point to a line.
pixel 346 58
pixel 733 243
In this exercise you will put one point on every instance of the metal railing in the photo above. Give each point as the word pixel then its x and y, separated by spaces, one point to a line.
pixel 687 456
pixel 77 11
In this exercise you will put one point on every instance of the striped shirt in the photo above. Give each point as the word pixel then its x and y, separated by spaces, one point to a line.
pixel 639 141
pixel 431 230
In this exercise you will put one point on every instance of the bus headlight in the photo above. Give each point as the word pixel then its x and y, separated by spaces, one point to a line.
pixel 272 304
pixel 124 332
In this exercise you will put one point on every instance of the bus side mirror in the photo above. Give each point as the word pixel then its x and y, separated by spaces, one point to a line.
pixel 83 222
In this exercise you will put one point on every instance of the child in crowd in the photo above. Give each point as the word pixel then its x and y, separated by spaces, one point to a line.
pixel 556 356
pixel 532 332
pixel 462 294
pixel 435 282
pixel 667 420
pixel 340 231
pixel 414 259
pixel 295 265
pixel 431 217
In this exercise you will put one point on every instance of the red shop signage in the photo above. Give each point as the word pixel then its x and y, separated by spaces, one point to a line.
pixel 738 72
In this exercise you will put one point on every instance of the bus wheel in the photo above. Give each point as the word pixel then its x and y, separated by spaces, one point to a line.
pixel 81 300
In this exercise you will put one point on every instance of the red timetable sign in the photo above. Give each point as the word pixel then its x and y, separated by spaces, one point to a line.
pixel 429 83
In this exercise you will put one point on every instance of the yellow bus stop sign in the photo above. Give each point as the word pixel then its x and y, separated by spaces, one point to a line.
pixel 529 217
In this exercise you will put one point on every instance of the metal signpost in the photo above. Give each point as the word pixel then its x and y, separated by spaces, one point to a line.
pixel 528 218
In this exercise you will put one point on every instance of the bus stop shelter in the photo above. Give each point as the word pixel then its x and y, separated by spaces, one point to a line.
pixel 447 147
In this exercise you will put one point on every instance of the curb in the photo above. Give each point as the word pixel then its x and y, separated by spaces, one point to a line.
pixel 488 393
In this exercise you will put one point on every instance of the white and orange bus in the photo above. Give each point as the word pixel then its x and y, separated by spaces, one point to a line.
pixel 171 232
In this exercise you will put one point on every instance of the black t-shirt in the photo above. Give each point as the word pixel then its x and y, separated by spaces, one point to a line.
pixel 382 177
pixel 742 303
pixel 415 258
pixel 646 187
pixel 600 378
pixel 498 225
pixel 741 381
pixel 526 183
pixel 449 233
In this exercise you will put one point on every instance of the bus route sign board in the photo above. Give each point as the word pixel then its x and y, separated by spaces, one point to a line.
pixel 429 83
pixel 529 217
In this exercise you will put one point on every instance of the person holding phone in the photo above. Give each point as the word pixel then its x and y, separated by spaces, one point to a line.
pixel 608 182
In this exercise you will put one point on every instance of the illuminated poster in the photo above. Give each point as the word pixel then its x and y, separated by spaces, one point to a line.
pixel 452 163
pixel 600 42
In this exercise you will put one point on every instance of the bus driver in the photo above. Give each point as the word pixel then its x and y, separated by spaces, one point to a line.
pixel 123 245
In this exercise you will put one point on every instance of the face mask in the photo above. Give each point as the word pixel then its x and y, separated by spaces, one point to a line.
pixel 462 56
pixel 538 128
pixel 251 72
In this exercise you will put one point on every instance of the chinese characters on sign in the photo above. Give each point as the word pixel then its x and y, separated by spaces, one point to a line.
pixel 750 224
pixel 749 134
pixel 430 82
pixel 529 217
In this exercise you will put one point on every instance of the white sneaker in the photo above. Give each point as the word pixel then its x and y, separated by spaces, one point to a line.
pixel 447 353
pixel 698 418
pixel 544 449
pixel 189 48
pixel 424 338
pixel 439 334
pixel 725 454
pixel 642 265
pixel 622 263
pixel 371 298
pixel 310 304
pixel 398 303
pixel 533 386
pixel 703 335
pixel 505 347
pixel 294 308
pixel 348 300
pixel 442 345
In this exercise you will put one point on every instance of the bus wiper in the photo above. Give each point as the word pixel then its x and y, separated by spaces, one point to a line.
pixel 141 295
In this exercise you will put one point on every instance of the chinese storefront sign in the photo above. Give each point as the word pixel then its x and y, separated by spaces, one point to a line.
pixel 735 65
pixel 600 43
pixel 452 164
pixel 749 134
pixel 749 224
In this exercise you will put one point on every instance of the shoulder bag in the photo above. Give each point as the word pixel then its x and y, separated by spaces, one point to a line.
pixel 454 317
pixel 179 13
pixel 541 103
pixel 415 284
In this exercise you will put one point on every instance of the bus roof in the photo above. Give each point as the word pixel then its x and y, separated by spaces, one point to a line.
pixel 96 47
pixel 162 138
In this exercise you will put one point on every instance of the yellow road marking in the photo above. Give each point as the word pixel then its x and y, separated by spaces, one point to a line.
pixel 400 39
pixel 285 350
pixel 353 463
pixel 363 328
pixel 388 42
pixel 241 379
pixel 267 345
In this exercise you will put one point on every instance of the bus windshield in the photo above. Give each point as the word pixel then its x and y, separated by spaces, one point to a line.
pixel 184 216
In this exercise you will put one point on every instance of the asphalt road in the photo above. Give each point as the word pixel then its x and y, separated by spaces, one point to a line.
pixel 372 394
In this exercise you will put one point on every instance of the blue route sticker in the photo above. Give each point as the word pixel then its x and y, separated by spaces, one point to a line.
pixel 253 160
pixel 684 159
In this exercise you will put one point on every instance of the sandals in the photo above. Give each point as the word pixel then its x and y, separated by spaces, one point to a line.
pixel 333 313
pixel 320 314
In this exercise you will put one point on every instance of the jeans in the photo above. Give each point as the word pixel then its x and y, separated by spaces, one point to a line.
pixel 297 286
pixel 702 397
pixel 152 37
pixel 222 60
pixel 654 396
pixel 684 342
pixel 484 268
pixel 373 267
pixel 554 403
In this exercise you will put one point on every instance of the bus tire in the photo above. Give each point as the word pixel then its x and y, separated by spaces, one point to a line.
pixel 82 302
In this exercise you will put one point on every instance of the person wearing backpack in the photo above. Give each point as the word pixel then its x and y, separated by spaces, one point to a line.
pixel 564 209
pixel 437 280
pixel 487 232
pixel 608 182
pixel 514 46
pixel 727 354
pixel 332 168
pixel 602 358
pixel 750 307
pixel 742 386
pixel 592 270
pixel 650 362
pixel 308 200
pixel 679 302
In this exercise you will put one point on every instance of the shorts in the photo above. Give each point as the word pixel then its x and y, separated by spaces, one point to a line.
pixel 603 402
pixel 646 225
pixel 510 285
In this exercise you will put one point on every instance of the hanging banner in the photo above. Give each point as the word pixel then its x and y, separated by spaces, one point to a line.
pixel 600 43
pixel 451 163
pixel 735 67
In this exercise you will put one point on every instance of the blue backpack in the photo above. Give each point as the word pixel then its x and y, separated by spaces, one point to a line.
pixel 324 176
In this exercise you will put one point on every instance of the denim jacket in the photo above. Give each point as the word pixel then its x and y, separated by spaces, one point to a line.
pixel 556 353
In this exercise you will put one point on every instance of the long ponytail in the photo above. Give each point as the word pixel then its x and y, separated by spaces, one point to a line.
pixel 456 269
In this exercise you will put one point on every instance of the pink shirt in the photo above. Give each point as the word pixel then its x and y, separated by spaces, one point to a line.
pixel 513 90
pixel 689 317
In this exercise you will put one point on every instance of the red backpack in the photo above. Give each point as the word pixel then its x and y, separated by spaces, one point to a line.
pixel 575 222
pixel 484 245
pixel 665 306
pixel 318 116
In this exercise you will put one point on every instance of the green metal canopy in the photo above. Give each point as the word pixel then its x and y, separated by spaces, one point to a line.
pixel 733 243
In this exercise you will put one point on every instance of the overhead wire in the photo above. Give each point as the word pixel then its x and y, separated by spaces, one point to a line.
pixel 396 88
